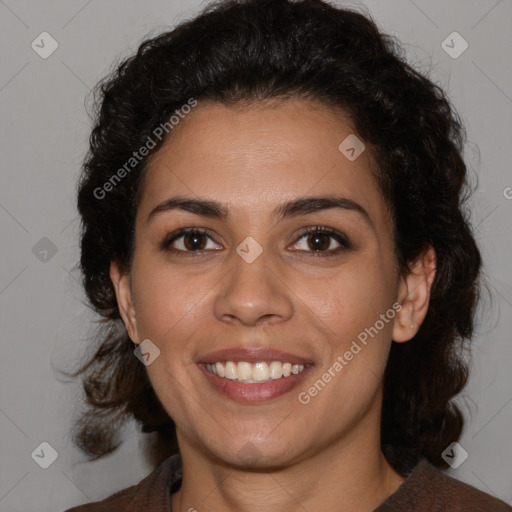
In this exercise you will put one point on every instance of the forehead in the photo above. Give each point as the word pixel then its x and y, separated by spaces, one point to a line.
pixel 254 157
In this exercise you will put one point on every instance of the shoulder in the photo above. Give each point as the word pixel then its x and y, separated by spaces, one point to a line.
pixel 429 489
pixel 121 501
pixel 152 493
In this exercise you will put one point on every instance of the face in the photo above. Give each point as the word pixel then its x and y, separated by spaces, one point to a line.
pixel 254 281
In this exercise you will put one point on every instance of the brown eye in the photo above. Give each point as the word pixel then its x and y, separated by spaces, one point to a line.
pixel 319 242
pixel 189 240
pixel 194 241
pixel 322 242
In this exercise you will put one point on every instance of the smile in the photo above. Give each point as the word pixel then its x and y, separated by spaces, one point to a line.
pixel 259 372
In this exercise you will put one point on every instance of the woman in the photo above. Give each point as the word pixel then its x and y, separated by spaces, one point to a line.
pixel 273 207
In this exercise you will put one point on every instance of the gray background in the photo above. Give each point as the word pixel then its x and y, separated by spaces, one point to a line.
pixel 44 322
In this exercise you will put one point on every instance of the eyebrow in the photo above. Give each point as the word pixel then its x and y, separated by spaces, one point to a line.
pixel 294 208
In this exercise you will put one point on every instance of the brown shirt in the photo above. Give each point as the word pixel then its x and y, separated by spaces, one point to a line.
pixel 426 489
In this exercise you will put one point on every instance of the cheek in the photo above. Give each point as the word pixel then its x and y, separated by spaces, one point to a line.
pixel 356 342
pixel 167 301
pixel 347 302
pixel 347 310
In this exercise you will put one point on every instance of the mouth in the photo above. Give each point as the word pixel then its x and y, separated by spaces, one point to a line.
pixel 253 375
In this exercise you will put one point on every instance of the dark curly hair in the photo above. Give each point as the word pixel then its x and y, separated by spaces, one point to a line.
pixel 256 50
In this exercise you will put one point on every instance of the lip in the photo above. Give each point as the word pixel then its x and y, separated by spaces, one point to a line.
pixel 253 355
pixel 253 392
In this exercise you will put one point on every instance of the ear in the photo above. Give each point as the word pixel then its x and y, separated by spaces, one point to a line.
pixel 414 296
pixel 121 282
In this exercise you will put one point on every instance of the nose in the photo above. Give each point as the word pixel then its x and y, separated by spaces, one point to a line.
pixel 253 294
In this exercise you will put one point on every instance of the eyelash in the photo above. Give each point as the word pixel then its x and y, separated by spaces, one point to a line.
pixel 166 244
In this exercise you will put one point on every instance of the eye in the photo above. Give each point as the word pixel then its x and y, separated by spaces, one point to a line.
pixel 189 240
pixel 322 241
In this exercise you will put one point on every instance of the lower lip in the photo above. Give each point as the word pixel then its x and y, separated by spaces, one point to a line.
pixel 253 392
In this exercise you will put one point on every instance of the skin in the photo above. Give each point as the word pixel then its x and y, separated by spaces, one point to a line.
pixel 324 455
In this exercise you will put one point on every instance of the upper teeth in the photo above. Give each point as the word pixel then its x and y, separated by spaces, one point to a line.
pixel 257 372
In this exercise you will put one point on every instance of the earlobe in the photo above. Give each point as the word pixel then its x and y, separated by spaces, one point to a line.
pixel 121 282
pixel 414 296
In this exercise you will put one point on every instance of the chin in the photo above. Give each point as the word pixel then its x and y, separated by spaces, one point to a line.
pixel 257 452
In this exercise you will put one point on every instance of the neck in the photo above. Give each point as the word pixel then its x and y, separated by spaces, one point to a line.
pixel 350 474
